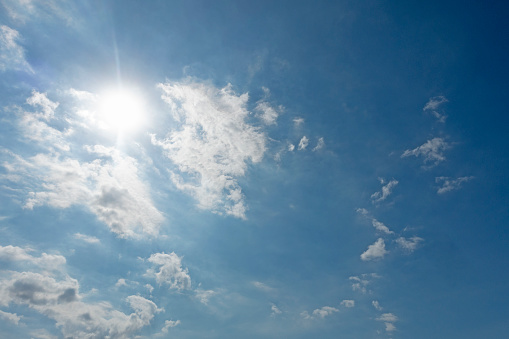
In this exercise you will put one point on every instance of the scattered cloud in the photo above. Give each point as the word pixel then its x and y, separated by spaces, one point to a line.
pixel 268 114
pixel 86 238
pixel 275 310
pixel 298 121
pixel 169 324
pixel 389 319
pixel 12 55
pixel 433 105
pixel 204 295
pixel 169 271
pixel 381 227
pixel 375 251
pixel 449 184
pixel 360 283
pixel 121 282
pixel 348 303
pixel 303 143
pixel 319 313
pixel 386 191
pixel 319 145
pixel 409 244
pixel 262 286
pixel 376 305
pixel 291 147
pixel 431 150
pixel 213 145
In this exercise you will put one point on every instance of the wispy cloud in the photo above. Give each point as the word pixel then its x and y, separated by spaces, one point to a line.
pixel 433 105
pixel 449 184
pixel 385 192
pixel 51 262
pixel 379 226
pixel 409 244
pixel 348 303
pixel 204 295
pixel 303 143
pixel 213 145
pixel 86 238
pixel 169 324
pixel 319 145
pixel 267 112
pixel 376 305
pixel 375 251
pixel 275 311
pixel 12 55
pixel 432 151
pixel 298 121
pixel 360 283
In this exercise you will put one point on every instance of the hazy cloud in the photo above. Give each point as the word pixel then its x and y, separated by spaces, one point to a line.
pixel 431 150
pixel 10 317
pixel 86 238
pixel 409 244
pixel 12 55
pixel 433 105
pixel 274 310
pixel 319 145
pixel 348 303
pixel 449 184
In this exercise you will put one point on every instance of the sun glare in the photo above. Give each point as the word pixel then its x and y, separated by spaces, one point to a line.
pixel 122 110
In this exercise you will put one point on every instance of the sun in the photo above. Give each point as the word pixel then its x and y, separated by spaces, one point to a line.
pixel 121 110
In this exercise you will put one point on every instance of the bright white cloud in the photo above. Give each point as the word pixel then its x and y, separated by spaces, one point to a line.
pixel 386 191
pixel 381 227
pixel 432 151
pixel 319 145
pixel 169 271
pixel 375 251
pixel 449 184
pixel 213 145
pixel 86 238
pixel 348 303
pixel 303 143
pixel 376 305
pixel 432 107
pixel 12 55
pixel 267 113
pixel 409 244
pixel 10 317
pixel 324 311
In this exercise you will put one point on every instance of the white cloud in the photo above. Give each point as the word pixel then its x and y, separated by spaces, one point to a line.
pixel 386 191
pixel 12 55
pixel 381 227
pixel 324 311
pixel 449 184
pixel 262 286
pixel 275 310
pixel 303 143
pixel 10 317
pixel 169 271
pixel 431 150
pixel 121 282
pixel 169 324
pixel 432 106
pixel 268 114
pixel 52 262
pixel 291 147
pixel 86 238
pixel 387 317
pixel 348 303
pixel 319 145
pixel 376 305
pixel 375 251
pixel 213 146
pixel 389 327
pixel 409 244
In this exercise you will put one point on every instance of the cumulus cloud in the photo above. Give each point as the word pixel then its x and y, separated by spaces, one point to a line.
pixel 389 319
pixel 319 313
pixel 213 145
pixel 432 151
pixel 107 183
pixel 449 184
pixel 409 244
pixel 433 105
pixel 168 271
pixel 376 305
pixel 303 143
pixel 375 251
pixel 385 192
pixel 52 262
pixel 348 303
pixel 12 55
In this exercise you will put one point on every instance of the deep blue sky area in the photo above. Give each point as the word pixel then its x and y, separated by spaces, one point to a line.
pixel 254 169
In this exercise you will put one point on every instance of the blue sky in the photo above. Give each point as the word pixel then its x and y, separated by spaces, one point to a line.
pixel 263 169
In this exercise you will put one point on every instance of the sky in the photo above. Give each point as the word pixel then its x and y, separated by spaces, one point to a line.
pixel 254 169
